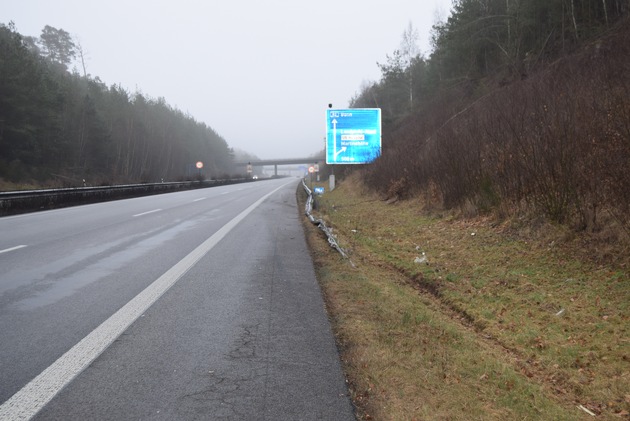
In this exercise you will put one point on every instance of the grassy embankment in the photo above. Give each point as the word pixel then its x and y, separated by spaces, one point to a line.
pixel 498 323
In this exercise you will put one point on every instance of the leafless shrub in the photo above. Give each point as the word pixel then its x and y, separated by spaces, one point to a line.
pixel 557 144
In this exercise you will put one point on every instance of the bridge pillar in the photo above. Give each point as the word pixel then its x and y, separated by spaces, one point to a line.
pixel 275 170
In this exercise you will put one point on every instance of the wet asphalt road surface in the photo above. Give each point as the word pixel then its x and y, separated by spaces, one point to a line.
pixel 242 333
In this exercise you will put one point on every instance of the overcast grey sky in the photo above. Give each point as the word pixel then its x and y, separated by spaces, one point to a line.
pixel 260 73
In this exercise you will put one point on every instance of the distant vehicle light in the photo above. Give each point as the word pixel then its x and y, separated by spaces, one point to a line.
pixel 255 177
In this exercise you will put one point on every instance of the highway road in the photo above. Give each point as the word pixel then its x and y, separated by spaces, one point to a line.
pixel 192 305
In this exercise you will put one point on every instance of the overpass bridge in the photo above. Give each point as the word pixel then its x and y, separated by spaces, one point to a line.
pixel 281 161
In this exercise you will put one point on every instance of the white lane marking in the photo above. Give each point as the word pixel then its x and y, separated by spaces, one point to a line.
pixel 146 213
pixel 29 400
pixel 11 249
pixel 200 199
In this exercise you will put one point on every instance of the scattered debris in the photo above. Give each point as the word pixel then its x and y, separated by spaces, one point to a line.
pixel 591 413
pixel 560 313
pixel 420 260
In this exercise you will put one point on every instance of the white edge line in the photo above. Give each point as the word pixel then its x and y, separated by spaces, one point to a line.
pixel 29 400
pixel 200 199
pixel 12 249
pixel 146 213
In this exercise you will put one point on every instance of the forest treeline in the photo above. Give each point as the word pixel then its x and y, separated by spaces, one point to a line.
pixel 60 127
pixel 522 106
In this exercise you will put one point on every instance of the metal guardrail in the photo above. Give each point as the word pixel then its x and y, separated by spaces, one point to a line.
pixel 14 202
pixel 332 240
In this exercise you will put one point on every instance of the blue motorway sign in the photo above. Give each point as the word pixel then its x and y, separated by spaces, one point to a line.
pixel 353 136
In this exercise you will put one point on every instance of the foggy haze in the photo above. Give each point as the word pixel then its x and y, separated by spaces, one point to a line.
pixel 260 73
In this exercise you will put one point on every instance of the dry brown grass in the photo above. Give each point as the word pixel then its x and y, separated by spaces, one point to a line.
pixel 500 324
pixel 9 186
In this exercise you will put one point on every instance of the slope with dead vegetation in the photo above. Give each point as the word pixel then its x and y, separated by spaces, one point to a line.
pixel 556 144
